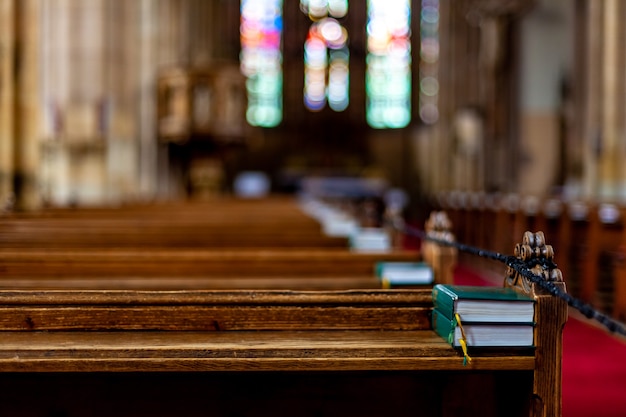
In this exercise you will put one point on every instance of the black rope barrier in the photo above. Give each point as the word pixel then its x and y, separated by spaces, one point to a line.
pixel 525 270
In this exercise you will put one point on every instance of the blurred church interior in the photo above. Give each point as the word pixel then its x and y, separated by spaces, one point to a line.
pixel 107 102
pixel 111 102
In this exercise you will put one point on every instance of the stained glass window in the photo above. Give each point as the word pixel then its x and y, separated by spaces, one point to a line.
pixel 388 73
pixel 326 56
pixel 261 60
pixel 429 61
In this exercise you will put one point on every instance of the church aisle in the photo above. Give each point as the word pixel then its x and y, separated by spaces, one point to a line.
pixel 594 369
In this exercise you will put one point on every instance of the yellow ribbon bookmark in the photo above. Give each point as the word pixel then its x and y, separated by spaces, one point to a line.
pixel 463 341
pixel 386 284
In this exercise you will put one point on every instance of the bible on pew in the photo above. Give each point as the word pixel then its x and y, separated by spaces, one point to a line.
pixel 483 316
pixel 483 334
pixel 398 274
pixel 483 304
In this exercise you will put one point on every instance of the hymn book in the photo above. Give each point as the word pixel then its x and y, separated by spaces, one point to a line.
pixel 483 334
pixel 404 273
pixel 483 304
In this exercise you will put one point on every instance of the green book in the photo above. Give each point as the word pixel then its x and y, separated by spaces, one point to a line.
pixel 483 334
pixel 404 273
pixel 484 304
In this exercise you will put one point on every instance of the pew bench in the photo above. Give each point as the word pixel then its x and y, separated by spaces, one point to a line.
pixel 275 222
pixel 147 232
pixel 261 353
pixel 194 269
pixel 85 348
pixel 221 244
pixel 589 238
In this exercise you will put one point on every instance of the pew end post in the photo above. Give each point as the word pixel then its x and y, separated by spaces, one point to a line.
pixel 550 318
pixel 442 259
pixel 619 273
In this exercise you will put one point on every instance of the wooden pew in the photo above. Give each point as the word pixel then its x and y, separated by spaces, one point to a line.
pixel 442 259
pixel 170 269
pixel 450 202
pixel 619 306
pixel 552 219
pixel 262 353
pixel 226 243
pixel 272 222
pixel 603 239
pixel 589 238
pixel 358 352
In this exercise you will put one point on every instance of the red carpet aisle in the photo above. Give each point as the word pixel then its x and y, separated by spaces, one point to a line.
pixel 594 371
pixel 594 362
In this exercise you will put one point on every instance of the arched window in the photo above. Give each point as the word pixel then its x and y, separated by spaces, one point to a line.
pixel 388 77
pixel 261 60
pixel 326 55
pixel 384 60
pixel 429 61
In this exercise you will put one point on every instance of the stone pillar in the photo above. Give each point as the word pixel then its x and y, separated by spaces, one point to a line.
pixel 591 113
pixel 121 92
pixel 7 54
pixel 620 116
pixel 75 63
pixel 148 36
pixel 610 156
pixel 603 98
pixel 27 105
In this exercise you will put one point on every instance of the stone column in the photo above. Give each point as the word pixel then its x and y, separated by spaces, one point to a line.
pixel 27 105
pixel 610 157
pixel 148 37
pixel 58 49
pixel 7 53
pixel 603 99
pixel 591 97
pixel 121 92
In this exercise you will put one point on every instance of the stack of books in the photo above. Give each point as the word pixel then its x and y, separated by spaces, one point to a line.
pixel 483 316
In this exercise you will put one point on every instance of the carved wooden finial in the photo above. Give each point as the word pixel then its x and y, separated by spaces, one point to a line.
pixel 442 258
pixel 439 226
pixel 533 251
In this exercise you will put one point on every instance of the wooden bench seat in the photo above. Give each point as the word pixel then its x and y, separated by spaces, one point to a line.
pixel 89 347
pixel 249 351
pixel 230 330
pixel 268 209
pixel 221 244
pixel 272 222
pixel 184 237
pixel 166 269
pixel 327 335
pixel 149 233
